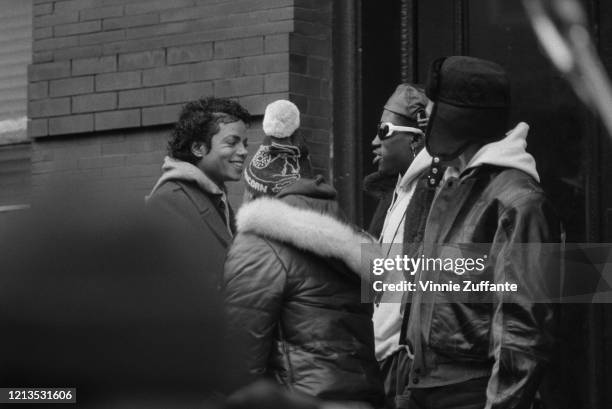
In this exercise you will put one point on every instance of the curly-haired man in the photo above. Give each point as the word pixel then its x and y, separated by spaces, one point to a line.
pixel 207 148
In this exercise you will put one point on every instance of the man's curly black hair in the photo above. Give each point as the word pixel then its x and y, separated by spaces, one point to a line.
pixel 199 121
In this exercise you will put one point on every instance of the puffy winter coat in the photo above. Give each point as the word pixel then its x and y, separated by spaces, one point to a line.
pixel 292 298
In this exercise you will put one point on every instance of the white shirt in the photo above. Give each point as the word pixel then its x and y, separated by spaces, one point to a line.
pixel 387 316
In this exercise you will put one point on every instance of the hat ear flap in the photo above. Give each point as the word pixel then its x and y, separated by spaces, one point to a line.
pixel 433 81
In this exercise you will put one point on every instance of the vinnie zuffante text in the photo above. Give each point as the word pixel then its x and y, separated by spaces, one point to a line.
pixel 458 266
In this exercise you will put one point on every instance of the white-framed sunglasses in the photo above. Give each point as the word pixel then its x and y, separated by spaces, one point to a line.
pixel 386 130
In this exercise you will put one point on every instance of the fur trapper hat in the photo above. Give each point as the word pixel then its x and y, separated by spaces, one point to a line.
pixel 472 104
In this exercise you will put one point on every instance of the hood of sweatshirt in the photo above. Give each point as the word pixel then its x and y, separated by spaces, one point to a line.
pixel 508 153
pixel 420 164
pixel 174 169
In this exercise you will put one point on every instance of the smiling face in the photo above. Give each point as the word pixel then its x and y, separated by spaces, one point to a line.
pixel 225 159
pixel 395 154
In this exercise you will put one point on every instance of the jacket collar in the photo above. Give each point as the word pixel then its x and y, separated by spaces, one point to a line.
pixel 206 208
pixel 303 228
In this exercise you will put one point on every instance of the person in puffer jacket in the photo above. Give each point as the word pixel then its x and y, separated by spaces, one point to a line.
pixel 291 285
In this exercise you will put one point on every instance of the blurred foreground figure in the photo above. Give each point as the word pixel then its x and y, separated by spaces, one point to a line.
pixel 291 289
pixel 99 297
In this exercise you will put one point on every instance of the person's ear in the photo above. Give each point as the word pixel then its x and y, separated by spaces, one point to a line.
pixel 422 119
pixel 198 149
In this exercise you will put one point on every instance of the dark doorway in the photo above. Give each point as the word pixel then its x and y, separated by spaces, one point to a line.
pixel 564 139
pixel 559 135
pixel 498 30
pixel 380 68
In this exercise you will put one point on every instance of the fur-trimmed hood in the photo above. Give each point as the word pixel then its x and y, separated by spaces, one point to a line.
pixel 305 229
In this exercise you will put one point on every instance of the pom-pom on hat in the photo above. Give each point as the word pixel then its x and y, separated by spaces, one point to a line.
pixel 281 119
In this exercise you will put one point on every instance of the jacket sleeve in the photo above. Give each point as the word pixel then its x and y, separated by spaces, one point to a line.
pixel 254 282
pixel 522 327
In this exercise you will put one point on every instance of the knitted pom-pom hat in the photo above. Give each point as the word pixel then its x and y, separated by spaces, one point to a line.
pixel 280 161
pixel 281 119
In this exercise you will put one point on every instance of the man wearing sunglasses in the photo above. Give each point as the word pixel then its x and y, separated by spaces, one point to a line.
pixel 398 138
pixel 400 216
pixel 483 349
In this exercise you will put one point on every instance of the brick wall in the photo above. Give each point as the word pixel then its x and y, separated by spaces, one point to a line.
pixel 116 72
pixel 124 163
pixel 14 175
pixel 310 77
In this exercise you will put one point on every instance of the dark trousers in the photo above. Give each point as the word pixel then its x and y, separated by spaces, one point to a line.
pixel 395 369
pixel 465 395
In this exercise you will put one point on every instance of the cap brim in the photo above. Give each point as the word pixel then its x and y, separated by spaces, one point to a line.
pixel 441 139
pixel 453 128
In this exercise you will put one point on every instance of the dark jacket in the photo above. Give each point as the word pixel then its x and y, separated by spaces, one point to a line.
pixel 292 296
pixel 184 199
pixel 380 186
pixel 507 336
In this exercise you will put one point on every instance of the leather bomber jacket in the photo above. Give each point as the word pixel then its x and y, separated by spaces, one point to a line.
pixel 505 336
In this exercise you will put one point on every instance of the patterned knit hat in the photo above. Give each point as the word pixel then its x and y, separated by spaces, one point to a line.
pixel 278 162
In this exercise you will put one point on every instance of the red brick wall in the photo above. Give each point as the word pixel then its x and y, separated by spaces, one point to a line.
pixel 116 72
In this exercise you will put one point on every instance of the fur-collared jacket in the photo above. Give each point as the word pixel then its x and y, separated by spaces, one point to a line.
pixel 294 302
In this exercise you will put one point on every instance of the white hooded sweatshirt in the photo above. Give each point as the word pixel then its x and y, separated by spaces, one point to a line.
pixel 508 152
